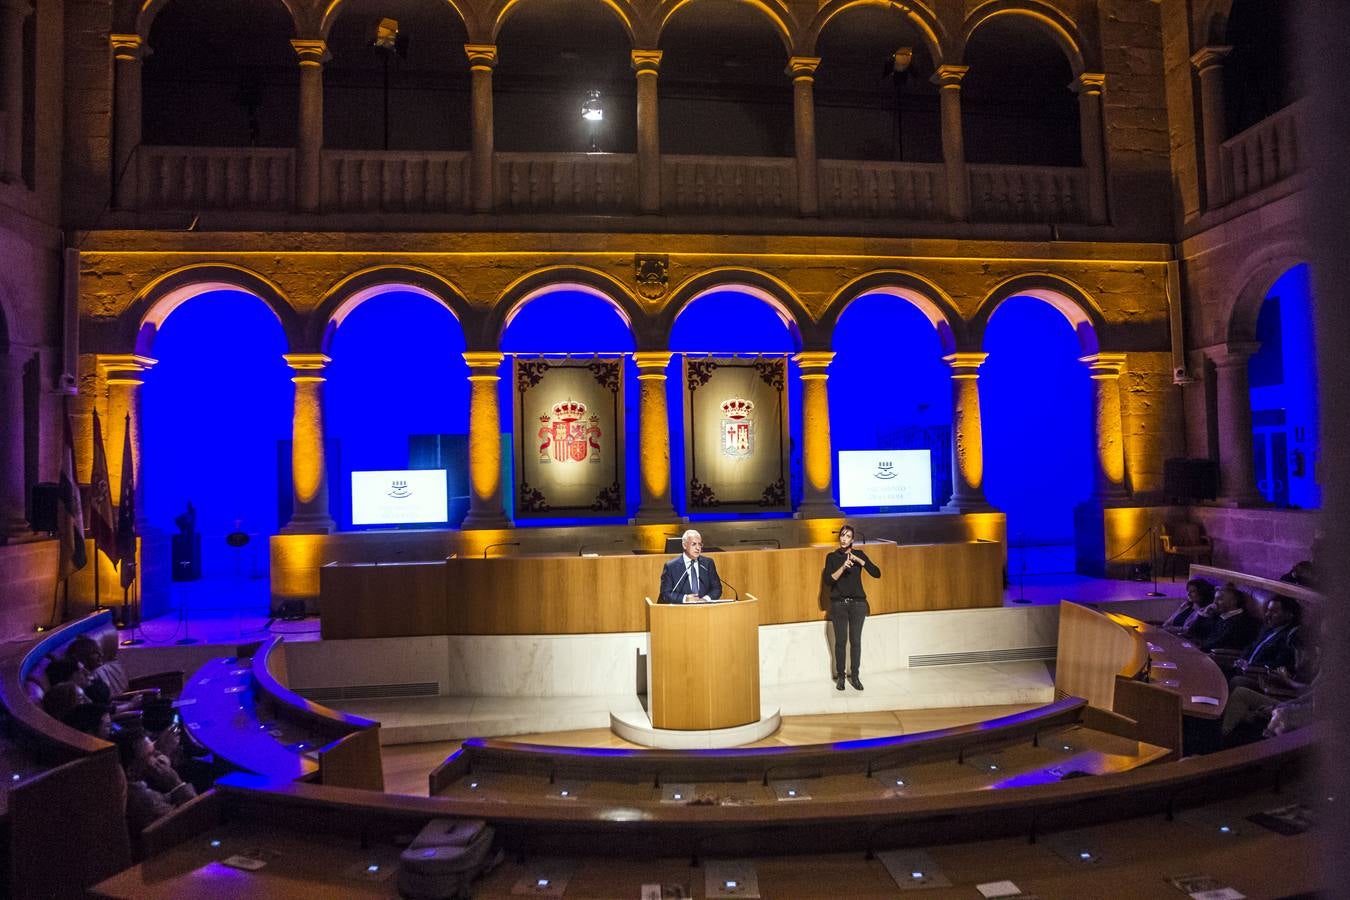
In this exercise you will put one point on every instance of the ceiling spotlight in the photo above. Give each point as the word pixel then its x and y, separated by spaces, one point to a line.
pixel 592 110
pixel 386 34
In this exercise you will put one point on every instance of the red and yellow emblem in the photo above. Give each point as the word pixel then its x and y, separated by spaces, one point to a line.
pixel 569 433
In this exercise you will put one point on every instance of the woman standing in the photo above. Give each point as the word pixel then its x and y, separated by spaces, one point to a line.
pixel 848 603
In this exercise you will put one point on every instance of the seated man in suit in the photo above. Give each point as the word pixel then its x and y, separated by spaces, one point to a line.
pixel 1274 649
pixel 1225 625
pixel 689 577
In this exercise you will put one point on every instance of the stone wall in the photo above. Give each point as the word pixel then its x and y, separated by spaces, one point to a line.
pixel 1264 542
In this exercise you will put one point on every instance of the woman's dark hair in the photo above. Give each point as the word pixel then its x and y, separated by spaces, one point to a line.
pixel 849 529
pixel 1204 588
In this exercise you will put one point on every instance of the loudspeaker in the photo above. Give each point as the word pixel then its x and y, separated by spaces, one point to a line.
pixel 1191 479
pixel 46 496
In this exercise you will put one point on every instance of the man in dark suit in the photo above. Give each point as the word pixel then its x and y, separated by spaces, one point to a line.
pixel 1274 648
pixel 690 577
pixel 1225 625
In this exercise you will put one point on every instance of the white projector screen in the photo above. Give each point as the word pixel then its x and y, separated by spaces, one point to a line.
pixel 401 497
pixel 885 478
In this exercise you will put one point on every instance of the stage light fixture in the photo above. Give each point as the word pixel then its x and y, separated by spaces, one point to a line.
pixel 592 108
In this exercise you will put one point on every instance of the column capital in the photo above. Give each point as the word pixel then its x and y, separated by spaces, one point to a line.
pixel 481 56
pixel 948 76
pixel 1232 353
pixel 652 363
pixel 1104 365
pixel 1207 58
pixel 311 53
pixel 483 363
pixel 128 47
pixel 814 363
pixel 965 364
pixel 124 368
pixel 307 366
pixel 802 67
pixel 20 8
pixel 1089 83
pixel 646 62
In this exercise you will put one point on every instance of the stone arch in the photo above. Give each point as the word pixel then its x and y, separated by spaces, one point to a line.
pixel 1083 313
pixel 359 287
pixel 779 18
pixel 557 278
pixel 1060 27
pixel 138 17
pixel 503 9
pixel 142 319
pixel 764 287
pixel 1252 282
pixel 927 297
pixel 920 17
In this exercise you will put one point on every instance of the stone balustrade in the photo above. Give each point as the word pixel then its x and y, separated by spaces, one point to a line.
pixel 1001 193
pixel 201 178
pixel 565 182
pixel 722 185
pixel 400 181
pixel 1265 153
pixel 859 189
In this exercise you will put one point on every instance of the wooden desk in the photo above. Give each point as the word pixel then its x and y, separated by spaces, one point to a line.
pixel 1196 673
pixel 556 594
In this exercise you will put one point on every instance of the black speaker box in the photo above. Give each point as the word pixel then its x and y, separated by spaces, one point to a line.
pixel 1191 479
pixel 46 496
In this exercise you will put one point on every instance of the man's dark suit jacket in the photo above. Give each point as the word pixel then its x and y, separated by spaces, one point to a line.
pixel 1278 651
pixel 1229 634
pixel 675 583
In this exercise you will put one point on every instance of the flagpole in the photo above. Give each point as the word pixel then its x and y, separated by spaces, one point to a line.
pixel 97 605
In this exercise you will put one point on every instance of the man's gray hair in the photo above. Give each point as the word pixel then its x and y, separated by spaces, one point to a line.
pixel 685 538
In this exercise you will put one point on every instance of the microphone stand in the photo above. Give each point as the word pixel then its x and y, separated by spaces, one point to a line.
pixel 1022 575
pixel 500 544
pixel 1153 561
pixel 777 544
pixel 581 551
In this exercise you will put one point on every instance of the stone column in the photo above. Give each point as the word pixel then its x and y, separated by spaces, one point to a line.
pixel 1089 86
pixel 654 437
pixel 485 442
pixel 647 63
pixel 967 434
pixel 1208 64
pixel 1108 429
pixel 817 452
pixel 12 16
pixel 803 72
pixel 13 521
pixel 128 52
pixel 309 469
pixel 124 374
pixel 1237 470
pixel 948 80
pixel 482 60
pixel 309 147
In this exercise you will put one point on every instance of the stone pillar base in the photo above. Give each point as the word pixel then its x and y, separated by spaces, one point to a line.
pixel 818 510
pixel 485 521
pixel 657 516
pixel 309 526
pixel 967 505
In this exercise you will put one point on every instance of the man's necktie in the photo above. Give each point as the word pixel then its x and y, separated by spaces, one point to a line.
pixel 693 578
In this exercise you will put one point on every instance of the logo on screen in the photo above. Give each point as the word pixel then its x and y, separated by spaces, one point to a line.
pixel 885 470
pixel 399 490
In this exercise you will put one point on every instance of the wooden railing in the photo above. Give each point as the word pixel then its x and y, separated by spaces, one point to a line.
pixel 565 182
pixel 401 181
pixel 1028 193
pixel 1265 153
pixel 193 179
pixel 721 185
pixel 850 188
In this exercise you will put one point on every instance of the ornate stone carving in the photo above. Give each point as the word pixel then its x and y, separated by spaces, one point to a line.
pixel 652 273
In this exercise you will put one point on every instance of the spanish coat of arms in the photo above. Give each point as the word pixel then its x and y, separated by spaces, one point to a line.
pixel 569 433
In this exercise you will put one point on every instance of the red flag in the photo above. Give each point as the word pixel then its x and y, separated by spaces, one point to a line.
pixel 101 526
pixel 126 514
pixel 70 512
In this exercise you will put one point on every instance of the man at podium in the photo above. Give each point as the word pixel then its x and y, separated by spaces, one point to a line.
pixel 689 578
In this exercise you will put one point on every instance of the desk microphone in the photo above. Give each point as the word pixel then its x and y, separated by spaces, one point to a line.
pixel 778 545
pixel 733 588
pixel 581 551
pixel 503 544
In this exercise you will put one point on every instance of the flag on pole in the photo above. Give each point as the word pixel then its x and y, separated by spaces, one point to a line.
pixel 70 512
pixel 126 513
pixel 102 528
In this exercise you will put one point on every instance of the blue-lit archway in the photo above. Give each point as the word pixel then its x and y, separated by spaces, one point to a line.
pixel 1283 378
pixel 569 319
pixel 216 409
pixel 1036 406
pixel 889 388
pixel 727 320
pixel 397 395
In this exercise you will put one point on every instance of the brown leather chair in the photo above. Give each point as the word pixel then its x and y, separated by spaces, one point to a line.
pixel 1185 542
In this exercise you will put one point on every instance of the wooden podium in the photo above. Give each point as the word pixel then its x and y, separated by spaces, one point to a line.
pixel 703 665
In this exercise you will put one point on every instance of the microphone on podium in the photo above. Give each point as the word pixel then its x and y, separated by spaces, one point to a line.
pixel 581 551
pixel 502 544
pixel 726 583
pixel 778 545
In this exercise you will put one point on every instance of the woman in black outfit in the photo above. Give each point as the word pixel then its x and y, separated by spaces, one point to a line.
pixel 848 603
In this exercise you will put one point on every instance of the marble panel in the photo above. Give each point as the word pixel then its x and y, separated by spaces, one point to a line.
pixel 402 660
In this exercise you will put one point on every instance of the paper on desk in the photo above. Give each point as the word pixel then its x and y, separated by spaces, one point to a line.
pixel 1208 701
pixel 998 889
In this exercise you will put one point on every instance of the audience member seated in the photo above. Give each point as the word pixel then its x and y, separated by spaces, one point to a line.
pixel 60 700
pixel 109 679
pixel 154 789
pixel 1225 624
pixel 1274 648
pixel 189 759
pixel 1199 595
pixel 1301 574
pixel 94 719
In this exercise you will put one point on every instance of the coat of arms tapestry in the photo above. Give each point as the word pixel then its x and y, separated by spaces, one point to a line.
pixel 735 434
pixel 569 437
